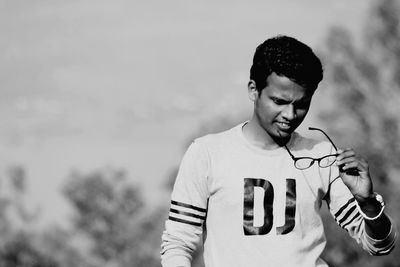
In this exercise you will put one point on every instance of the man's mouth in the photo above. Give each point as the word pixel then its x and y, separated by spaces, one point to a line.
pixel 284 126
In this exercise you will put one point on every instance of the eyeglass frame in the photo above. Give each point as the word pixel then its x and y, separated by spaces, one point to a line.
pixel 295 159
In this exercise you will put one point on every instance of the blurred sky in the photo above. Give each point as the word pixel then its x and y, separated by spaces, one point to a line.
pixel 88 84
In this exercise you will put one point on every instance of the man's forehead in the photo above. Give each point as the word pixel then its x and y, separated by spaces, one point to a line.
pixel 282 86
pixel 289 92
pixel 280 79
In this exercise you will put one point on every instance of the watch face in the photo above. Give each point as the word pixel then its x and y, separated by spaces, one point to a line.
pixel 379 198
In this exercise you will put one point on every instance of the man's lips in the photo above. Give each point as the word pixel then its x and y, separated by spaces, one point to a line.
pixel 284 126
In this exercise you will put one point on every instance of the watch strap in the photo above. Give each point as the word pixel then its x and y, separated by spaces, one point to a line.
pixel 377 197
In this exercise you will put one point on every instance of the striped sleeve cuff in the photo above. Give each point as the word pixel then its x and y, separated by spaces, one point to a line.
pixel 381 246
pixel 187 214
pixel 348 214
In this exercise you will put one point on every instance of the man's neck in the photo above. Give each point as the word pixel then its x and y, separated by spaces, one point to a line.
pixel 257 136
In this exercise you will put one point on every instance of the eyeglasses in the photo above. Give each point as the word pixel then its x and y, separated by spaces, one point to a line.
pixel 303 163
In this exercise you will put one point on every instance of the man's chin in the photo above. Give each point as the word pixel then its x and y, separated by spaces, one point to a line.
pixel 282 136
pixel 284 132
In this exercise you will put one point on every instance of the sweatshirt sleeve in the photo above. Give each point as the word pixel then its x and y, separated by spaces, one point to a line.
pixel 184 226
pixel 342 206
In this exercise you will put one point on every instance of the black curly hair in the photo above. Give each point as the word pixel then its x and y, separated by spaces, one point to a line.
pixel 288 57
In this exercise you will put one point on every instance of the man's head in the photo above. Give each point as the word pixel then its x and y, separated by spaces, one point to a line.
pixel 287 57
pixel 284 76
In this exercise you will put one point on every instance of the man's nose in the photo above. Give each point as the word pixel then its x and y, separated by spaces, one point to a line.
pixel 289 113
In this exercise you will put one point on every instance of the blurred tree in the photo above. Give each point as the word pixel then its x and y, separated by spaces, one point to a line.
pixel 112 220
pixel 24 213
pixel 61 245
pixel 364 92
pixel 111 226
pixel 20 252
pixel 20 242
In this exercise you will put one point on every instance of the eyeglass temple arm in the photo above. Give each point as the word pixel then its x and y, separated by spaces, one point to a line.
pixel 287 149
pixel 330 140
pixel 290 153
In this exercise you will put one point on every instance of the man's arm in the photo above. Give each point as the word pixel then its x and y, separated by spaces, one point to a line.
pixel 354 172
pixel 377 224
pixel 184 226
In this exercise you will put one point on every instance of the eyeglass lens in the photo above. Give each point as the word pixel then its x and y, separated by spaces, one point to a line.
pixel 324 162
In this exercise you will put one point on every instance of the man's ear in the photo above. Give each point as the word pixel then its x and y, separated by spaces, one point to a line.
pixel 252 90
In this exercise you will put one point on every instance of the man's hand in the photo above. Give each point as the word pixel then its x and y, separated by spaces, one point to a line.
pixel 354 172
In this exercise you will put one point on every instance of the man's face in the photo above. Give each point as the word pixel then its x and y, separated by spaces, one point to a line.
pixel 281 106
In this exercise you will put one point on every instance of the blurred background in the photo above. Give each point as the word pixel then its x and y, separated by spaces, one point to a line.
pixel 100 99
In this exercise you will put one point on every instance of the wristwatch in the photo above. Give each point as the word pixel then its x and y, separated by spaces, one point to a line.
pixel 379 200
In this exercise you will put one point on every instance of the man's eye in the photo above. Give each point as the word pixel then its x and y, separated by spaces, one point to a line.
pixel 302 105
pixel 279 101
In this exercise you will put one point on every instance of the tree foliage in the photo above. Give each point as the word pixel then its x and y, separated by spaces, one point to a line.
pixel 19 240
pixel 111 226
pixel 111 219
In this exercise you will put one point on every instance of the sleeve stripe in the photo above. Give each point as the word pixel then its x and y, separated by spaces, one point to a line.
pixel 391 245
pixel 337 214
pixel 187 214
pixel 383 250
pixel 386 246
pixel 187 206
pixel 348 213
pixel 183 221
pixel 357 215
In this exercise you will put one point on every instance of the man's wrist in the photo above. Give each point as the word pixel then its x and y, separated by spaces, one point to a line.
pixel 370 207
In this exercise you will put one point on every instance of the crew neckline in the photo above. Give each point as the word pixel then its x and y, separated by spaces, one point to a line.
pixel 274 151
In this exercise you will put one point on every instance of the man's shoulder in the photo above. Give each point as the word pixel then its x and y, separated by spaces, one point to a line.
pixel 302 142
pixel 226 137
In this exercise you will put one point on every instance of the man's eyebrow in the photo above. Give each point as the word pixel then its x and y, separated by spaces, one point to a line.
pixel 284 98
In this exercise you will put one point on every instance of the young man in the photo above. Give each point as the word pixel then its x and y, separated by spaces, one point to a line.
pixel 254 192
